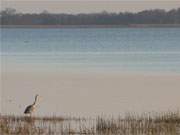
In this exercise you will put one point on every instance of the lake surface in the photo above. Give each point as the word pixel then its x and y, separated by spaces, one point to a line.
pixel 122 50
pixel 135 49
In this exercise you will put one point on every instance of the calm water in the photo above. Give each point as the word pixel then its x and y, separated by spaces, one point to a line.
pixel 42 51
pixel 148 49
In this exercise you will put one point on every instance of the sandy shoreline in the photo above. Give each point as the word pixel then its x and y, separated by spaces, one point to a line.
pixel 90 93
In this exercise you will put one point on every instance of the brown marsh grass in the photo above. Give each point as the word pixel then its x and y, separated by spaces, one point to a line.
pixel 146 124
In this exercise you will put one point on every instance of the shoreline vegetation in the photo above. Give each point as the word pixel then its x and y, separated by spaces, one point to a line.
pixel 9 17
pixel 167 123
pixel 95 26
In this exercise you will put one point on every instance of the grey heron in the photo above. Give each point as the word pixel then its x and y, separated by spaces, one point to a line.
pixel 30 109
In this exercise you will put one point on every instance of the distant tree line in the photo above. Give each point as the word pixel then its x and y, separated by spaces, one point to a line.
pixel 9 16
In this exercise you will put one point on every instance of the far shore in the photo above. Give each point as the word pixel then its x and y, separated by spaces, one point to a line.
pixel 95 26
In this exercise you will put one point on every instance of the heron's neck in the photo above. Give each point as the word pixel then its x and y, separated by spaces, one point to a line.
pixel 35 101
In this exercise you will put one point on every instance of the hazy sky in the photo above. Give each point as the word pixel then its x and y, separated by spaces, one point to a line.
pixel 87 6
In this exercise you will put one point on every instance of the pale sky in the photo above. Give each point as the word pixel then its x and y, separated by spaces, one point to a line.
pixel 88 6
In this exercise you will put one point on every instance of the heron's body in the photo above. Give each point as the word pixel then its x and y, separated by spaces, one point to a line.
pixel 30 109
